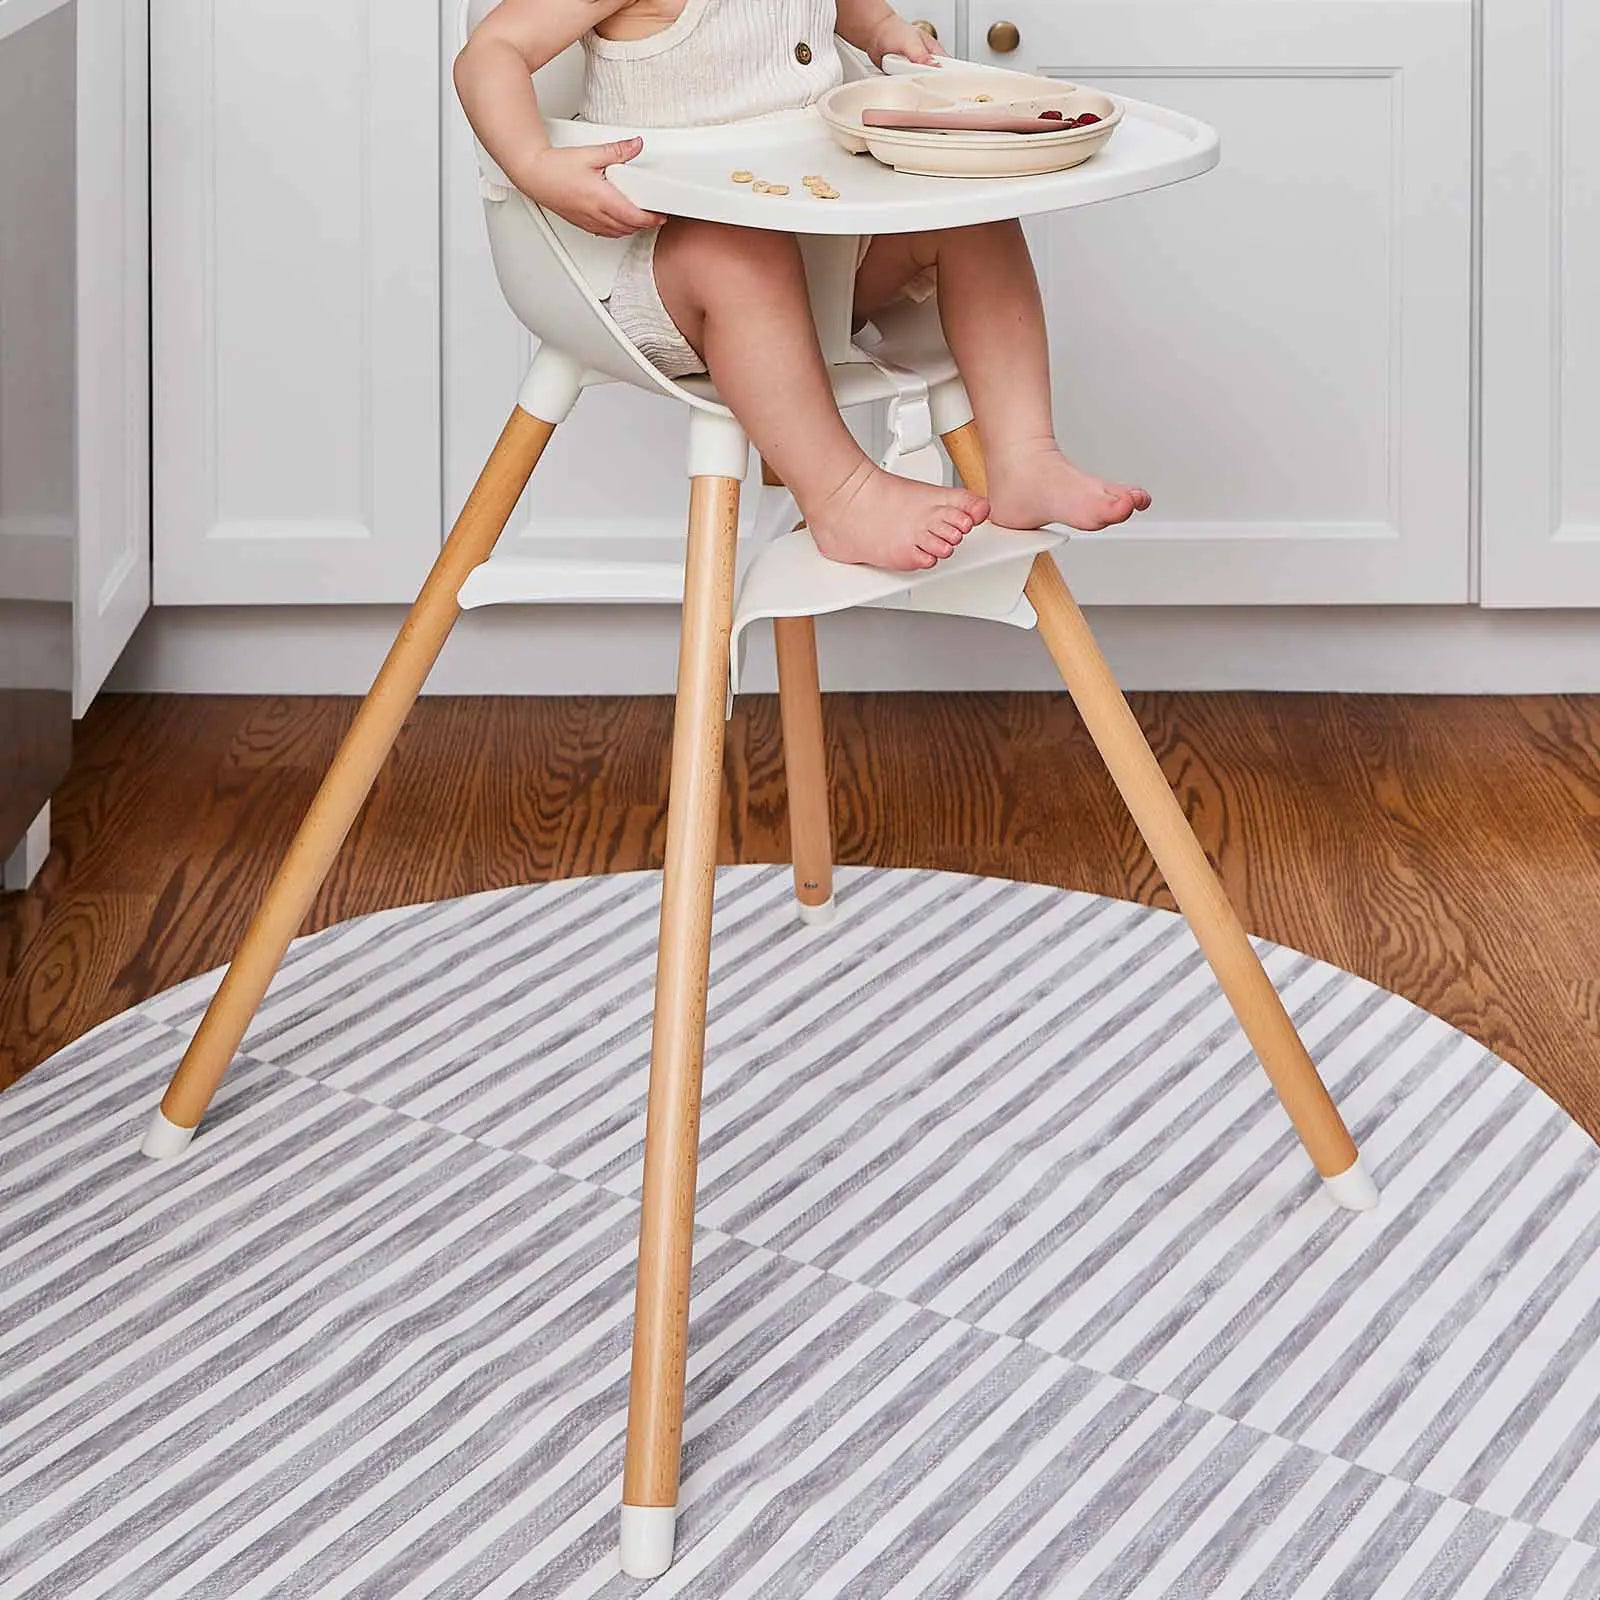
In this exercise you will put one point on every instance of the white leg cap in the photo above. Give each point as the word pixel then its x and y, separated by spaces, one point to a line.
pixel 1354 1190
pixel 648 1535
pixel 163 1140
pixel 818 916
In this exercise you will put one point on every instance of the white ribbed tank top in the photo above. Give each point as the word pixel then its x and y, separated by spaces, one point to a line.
pixel 721 61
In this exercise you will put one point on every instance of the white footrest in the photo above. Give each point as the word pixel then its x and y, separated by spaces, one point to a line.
pixel 788 577
pixel 984 579
pixel 581 572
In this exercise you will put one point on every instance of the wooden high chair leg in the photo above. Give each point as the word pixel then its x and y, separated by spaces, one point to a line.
pixel 677 1052
pixel 349 781
pixel 1183 863
pixel 805 759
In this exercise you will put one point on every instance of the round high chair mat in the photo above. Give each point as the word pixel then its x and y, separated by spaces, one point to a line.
pixel 1011 1278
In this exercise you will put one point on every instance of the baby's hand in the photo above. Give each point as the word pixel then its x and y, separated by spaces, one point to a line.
pixel 573 184
pixel 897 37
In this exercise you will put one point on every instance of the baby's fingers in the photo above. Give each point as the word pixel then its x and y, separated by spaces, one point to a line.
pixel 616 154
pixel 620 210
pixel 922 48
pixel 597 218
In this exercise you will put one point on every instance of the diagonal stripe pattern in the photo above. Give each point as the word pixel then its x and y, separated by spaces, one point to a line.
pixel 1011 1278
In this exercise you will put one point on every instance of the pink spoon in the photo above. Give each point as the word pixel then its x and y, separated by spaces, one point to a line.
pixel 964 121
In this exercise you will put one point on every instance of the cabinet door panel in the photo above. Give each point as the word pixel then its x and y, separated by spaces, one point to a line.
pixel 38 330
pixel 113 307
pixel 1541 365
pixel 1280 351
pixel 296 215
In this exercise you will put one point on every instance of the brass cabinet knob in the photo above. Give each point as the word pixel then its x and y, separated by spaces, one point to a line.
pixel 1005 37
pixel 927 27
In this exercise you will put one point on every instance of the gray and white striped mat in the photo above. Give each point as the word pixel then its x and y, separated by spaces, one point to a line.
pixel 1011 1278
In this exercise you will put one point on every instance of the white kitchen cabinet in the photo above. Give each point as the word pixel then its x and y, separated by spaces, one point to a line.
pixel 74 331
pixel 113 338
pixel 1280 351
pixel 38 315
pixel 1541 306
pixel 296 299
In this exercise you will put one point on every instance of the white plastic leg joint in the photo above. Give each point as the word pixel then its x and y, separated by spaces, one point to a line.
pixel 165 1141
pixel 648 1536
pixel 1354 1189
pixel 552 386
pixel 951 407
pixel 718 447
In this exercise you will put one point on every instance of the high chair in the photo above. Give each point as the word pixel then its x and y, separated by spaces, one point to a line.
pixel 555 279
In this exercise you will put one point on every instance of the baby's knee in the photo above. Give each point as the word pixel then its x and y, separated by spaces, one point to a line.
pixel 983 235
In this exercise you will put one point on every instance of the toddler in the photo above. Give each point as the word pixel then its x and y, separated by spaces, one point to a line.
pixel 700 296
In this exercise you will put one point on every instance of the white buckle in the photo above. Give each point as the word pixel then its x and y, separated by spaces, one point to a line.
pixel 911 423
pixel 912 452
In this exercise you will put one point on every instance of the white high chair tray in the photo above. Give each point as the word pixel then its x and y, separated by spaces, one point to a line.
pixel 686 172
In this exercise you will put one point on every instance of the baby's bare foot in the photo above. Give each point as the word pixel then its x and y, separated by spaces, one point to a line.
pixel 1042 487
pixel 878 520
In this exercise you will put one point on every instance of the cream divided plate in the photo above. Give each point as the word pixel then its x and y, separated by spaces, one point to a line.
pixel 963 154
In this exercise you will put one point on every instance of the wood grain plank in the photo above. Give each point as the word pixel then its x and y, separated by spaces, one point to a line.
pixel 1448 849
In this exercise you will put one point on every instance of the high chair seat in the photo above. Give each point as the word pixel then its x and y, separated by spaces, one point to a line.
pixel 648 571
pixel 556 280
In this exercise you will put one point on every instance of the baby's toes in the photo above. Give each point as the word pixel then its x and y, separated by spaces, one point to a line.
pixel 974 506
pixel 939 543
pixel 1119 506
pixel 911 554
pixel 955 528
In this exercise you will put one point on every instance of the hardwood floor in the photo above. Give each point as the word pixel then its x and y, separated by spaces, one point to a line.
pixel 1448 849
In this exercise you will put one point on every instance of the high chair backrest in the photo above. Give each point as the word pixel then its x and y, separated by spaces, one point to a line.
pixel 555 276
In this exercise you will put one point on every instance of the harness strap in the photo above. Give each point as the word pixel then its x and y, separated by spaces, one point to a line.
pixel 912 451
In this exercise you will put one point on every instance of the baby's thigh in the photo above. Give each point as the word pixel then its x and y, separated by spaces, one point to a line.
pixel 894 261
pixel 696 260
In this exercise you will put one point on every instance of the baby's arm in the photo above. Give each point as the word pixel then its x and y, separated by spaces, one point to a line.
pixel 875 26
pixel 493 76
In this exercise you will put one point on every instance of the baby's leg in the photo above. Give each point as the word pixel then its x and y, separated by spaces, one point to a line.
pixel 739 297
pixel 994 320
